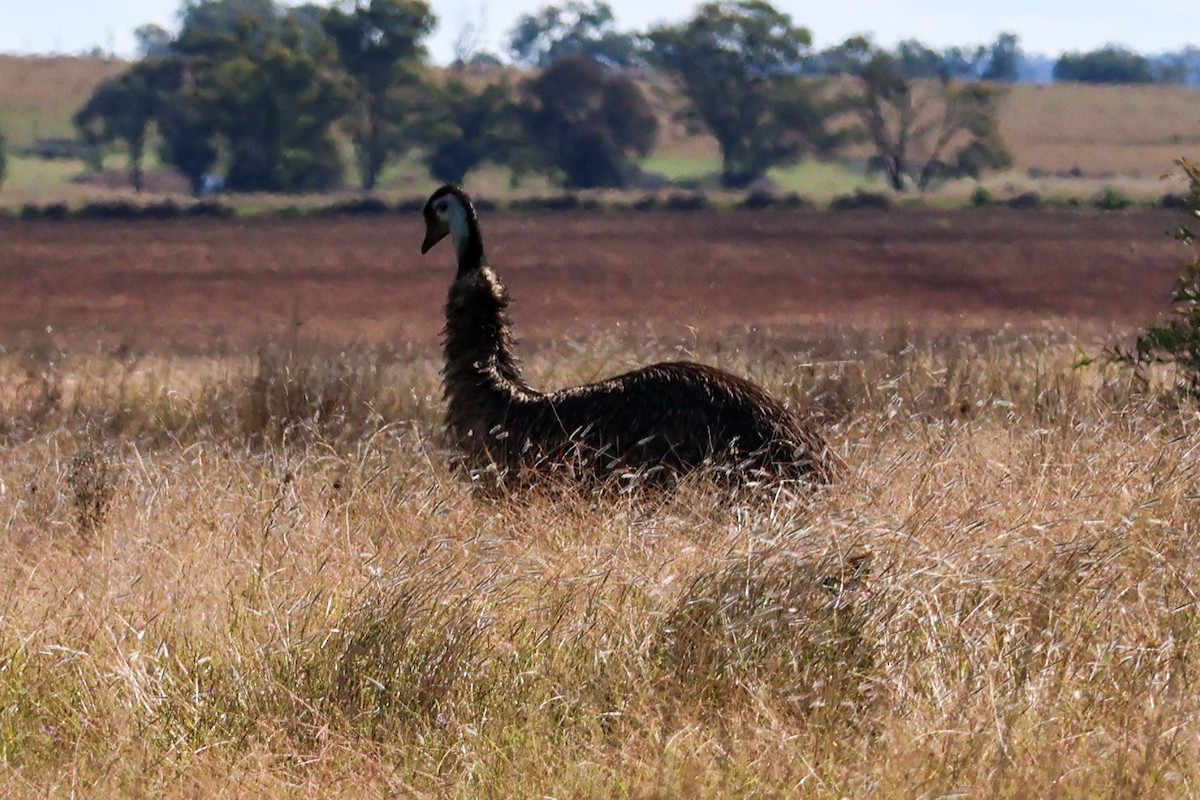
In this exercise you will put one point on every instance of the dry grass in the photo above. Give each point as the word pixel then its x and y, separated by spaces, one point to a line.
pixel 1101 131
pixel 40 94
pixel 255 577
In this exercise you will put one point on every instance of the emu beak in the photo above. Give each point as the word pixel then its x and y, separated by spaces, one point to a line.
pixel 433 235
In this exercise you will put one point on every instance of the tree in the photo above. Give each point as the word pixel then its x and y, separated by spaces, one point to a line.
pixel 738 64
pixel 250 90
pixel 379 45
pixel 261 102
pixel 573 28
pixel 211 25
pixel 3 158
pixel 1004 59
pixel 309 20
pixel 469 127
pixel 1000 61
pixel 1181 67
pixel 1110 64
pixel 246 89
pixel 153 41
pixel 188 131
pixel 925 131
pixel 123 109
pixel 847 58
pixel 920 61
pixel 963 63
pixel 588 122
pixel 276 110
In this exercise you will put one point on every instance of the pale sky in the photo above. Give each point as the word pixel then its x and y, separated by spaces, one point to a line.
pixel 1044 26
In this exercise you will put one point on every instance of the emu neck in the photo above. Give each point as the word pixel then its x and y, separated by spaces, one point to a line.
pixel 468 242
pixel 481 372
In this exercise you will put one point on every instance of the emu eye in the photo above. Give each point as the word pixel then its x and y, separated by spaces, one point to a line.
pixel 441 206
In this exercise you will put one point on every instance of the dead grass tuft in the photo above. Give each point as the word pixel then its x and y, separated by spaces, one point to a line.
pixel 91 478
pixel 771 620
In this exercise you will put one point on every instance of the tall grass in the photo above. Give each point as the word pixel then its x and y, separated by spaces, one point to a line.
pixel 256 576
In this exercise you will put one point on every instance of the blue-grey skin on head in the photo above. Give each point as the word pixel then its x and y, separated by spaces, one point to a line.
pixel 447 211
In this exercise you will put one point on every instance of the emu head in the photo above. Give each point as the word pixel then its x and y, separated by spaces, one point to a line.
pixel 448 211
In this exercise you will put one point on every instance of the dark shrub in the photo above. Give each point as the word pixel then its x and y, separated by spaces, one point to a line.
pixel 1027 200
pixel 164 209
pixel 762 198
pixel 128 211
pixel 982 197
pixel 414 205
pixel 51 211
pixel 356 207
pixel 687 202
pixel 861 200
pixel 563 202
pixel 110 209
pixel 647 203
pixel 1111 200
pixel 210 208
pixel 1172 200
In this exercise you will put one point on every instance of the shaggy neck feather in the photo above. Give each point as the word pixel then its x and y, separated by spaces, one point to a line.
pixel 482 372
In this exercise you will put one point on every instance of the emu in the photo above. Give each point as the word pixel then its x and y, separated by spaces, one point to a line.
pixel 649 426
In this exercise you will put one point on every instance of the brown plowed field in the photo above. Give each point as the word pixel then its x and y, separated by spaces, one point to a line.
pixel 202 284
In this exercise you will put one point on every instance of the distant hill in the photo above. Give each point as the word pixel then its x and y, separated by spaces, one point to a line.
pixel 38 94
pixel 1101 130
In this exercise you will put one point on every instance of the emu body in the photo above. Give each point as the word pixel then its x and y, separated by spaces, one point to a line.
pixel 655 423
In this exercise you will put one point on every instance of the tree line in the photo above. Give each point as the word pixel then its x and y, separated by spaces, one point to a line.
pixel 252 95
pixel 540 38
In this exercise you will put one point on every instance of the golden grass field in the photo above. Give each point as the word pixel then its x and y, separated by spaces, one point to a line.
pixel 238 577
pixel 1102 131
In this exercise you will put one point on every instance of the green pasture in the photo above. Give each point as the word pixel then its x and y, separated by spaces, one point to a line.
pixel 818 180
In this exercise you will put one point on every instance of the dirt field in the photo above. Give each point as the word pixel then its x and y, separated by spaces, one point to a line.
pixel 205 285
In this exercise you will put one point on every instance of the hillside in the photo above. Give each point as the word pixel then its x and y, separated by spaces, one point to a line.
pixel 38 95
pixel 1102 130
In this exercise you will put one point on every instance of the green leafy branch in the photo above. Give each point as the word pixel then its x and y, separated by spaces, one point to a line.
pixel 1176 340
